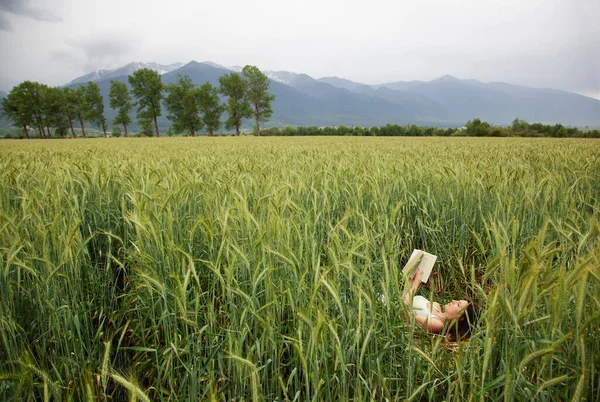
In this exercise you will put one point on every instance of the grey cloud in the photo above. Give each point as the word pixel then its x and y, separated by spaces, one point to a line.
pixel 66 55
pixel 22 7
pixel 98 51
pixel 102 45
pixel 5 23
pixel 573 67
pixel 571 63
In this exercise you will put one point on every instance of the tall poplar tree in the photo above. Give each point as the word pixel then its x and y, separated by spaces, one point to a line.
pixel 72 103
pixel 55 110
pixel 94 106
pixel 210 107
pixel 13 111
pixel 234 87
pixel 120 100
pixel 22 105
pixel 81 108
pixel 38 98
pixel 147 88
pixel 182 105
pixel 257 87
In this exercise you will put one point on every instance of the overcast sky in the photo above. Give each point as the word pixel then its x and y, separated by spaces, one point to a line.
pixel 544 43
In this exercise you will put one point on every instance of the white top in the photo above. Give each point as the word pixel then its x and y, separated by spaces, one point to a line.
pixel 422 307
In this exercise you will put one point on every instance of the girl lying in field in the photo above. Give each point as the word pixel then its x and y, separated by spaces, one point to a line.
pixel 457 317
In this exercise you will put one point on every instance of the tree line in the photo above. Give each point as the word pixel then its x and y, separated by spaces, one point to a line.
pixel 38 106
pixel 473 128
pixel 190 107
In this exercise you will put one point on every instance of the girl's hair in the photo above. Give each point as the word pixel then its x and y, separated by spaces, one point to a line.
pixel 461 326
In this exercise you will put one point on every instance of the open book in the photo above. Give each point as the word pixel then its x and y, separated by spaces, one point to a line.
pixel 419 260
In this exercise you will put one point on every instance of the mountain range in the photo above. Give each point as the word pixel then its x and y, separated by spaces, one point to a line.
pixel 445 101
pixel 102 75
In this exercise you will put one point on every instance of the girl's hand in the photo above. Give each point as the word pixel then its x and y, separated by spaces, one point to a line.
pixel 413 286
pixel 415 282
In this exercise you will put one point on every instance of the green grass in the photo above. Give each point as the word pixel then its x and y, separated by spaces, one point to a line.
pixel 251 268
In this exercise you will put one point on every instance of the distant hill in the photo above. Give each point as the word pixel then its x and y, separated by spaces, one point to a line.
pixel 341 106
pixel 445 101
pixel 422 106
pixel 3 94
pixel 500 103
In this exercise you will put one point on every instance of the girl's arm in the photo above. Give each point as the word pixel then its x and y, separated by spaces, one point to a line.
pixel 430 324
pixel 413 286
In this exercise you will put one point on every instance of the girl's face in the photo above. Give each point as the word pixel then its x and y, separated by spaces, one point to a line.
pixel 453 308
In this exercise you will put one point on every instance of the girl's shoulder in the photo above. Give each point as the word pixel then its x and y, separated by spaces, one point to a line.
pixel 420 302
pixel 420 298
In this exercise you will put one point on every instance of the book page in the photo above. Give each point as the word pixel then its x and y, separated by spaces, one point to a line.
pixel 421 260
pixel 413 263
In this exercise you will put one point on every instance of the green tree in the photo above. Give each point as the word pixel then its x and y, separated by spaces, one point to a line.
pixel 94 106
pixel 23 105
pixel 39 112
pixel 260 99
pixel 80 107
pixel 559 131
pixel 477 128
pixel 29 98
pixel 147 88
pixel 55 110
pixel 12 111
pixel 519 125
pixel 33 102
pixel 234 87
pixel 183 106
pixel 120 100
pixel 146 128
pixel 210 107
pixel 72 103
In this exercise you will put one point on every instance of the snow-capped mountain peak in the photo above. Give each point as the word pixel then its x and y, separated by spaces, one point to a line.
pixel 237 69
pixel 284 77
pixel 128 69
pixel 160 68
pixel 446 78
pixel 280 76
pixel 215 65
pixel 93 76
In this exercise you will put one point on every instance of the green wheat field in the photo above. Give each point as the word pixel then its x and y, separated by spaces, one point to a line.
pixel 254 269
